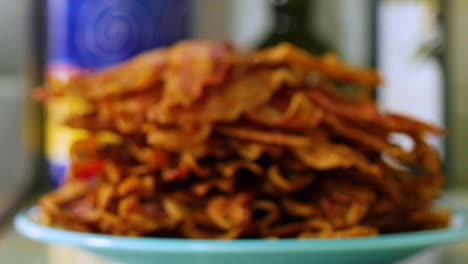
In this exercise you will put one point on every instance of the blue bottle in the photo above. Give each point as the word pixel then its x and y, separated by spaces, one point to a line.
pixel 88 35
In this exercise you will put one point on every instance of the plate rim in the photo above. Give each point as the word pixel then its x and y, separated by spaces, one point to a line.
pixel 411 240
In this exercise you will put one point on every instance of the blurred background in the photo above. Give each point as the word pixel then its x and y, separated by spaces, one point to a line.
pixel 420 47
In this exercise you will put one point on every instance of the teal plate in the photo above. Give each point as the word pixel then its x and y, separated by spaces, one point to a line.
pixel 381 249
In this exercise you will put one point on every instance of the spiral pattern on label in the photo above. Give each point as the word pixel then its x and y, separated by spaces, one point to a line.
pixel 111 31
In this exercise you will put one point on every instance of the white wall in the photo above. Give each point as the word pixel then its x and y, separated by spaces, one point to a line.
pixel 458 96
pixel 13 19
pixel 212 19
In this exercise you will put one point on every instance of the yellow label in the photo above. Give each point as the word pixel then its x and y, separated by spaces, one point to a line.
pixel 59 137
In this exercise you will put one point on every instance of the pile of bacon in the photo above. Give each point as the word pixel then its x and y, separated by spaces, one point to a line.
pixel 201 140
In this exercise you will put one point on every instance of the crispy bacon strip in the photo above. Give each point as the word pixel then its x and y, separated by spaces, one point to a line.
pixel 329 65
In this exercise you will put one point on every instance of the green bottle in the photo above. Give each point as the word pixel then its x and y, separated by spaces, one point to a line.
pixel 290 24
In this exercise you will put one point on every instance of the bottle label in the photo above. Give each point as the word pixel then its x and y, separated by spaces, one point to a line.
pixel 87 35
